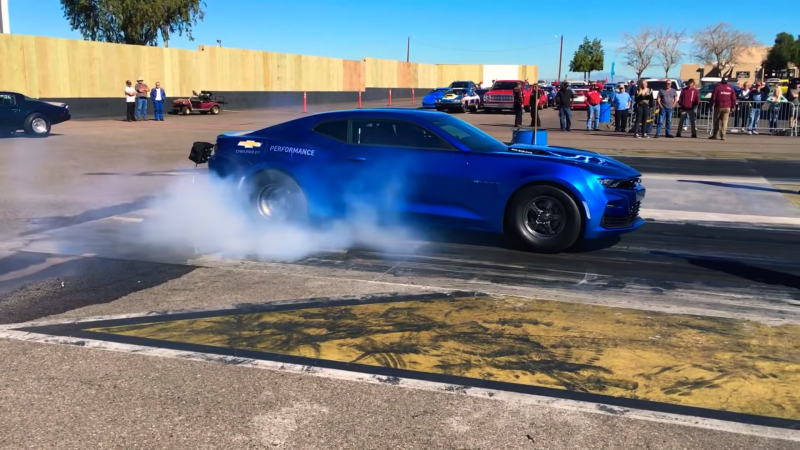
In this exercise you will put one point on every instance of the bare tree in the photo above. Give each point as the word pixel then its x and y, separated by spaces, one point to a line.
pixel 668 47
pixel 638 50
pixel 721 46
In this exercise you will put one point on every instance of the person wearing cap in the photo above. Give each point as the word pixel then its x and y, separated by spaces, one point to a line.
pixel 141 99
pixel 723 100
pixel 621 101
pixel 756 97
pixel 593 100
pixel 130 102
pixel 688 102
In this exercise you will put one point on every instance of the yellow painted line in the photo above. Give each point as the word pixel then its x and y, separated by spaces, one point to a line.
pixel 793 195
pixel 706 362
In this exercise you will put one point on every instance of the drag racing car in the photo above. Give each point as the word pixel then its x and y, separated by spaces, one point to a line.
pixel 429 101
pixel 415 165
pixel 459 99
pixel 35 117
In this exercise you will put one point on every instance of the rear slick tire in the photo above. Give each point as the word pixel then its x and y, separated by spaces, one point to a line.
pixel 543 219
pixel 274 197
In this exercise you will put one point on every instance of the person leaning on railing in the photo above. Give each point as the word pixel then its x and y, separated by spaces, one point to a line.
pixel 793 96
pixel 774 102
pixel 756 97
pixel 743 109
pixel 644 103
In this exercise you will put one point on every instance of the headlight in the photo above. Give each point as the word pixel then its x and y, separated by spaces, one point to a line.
pixel 620 184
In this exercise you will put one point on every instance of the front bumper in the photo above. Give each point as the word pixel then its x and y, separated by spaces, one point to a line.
pixel 498 105
pixel 616 212
pixel 449 105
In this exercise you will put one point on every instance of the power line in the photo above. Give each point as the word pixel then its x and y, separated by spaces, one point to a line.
pixel 483 51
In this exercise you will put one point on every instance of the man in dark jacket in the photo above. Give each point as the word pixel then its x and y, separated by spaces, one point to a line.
pixel 687 102
pixel 519 98
pixel 536 94
pixel 564 99
pixel 723 100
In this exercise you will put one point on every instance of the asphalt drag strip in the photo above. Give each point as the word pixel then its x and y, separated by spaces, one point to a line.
pixel 746 272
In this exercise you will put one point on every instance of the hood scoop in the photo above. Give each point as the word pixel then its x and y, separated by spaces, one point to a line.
pixel 571 156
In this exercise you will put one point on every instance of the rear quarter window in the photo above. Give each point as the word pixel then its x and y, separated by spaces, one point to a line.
pixel 334 129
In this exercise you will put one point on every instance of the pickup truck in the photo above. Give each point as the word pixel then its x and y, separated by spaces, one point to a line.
pixel 501 96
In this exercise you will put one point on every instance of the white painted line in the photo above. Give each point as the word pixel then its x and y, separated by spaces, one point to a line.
pixel 541 401
pixel 692 216
pixel 125 219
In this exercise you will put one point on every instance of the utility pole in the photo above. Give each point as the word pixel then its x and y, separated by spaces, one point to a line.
pixel 408 49
pixel 560 54
pixel 4 28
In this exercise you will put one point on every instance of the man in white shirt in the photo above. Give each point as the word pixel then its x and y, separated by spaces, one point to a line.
pixel 158 96
pixel 130 102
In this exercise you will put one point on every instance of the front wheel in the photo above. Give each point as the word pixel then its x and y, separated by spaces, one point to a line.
pixel 276 198
pixel 544 219
pixel 37 125
pixel 215 110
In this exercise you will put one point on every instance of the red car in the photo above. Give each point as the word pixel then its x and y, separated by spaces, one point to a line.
pixel 580 96
pixel 501 96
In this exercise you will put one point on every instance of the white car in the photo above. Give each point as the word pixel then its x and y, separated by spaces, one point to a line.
pixel 657 84
pixel 459 99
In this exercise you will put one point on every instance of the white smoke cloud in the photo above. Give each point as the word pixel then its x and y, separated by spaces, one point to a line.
pixel 209 215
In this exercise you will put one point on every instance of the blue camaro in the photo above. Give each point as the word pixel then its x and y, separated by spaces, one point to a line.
pixel 430 166
pixel 429 101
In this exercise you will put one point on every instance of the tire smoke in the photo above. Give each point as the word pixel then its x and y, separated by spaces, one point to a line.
pixel 210 215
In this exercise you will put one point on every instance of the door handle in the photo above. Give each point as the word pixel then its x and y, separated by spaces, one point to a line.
pixel 357 158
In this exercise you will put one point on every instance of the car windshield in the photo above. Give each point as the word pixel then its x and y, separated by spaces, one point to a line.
pixel 459 84
pixel 440 90
pixel 659 85
pixel 470 136
pixel 504 85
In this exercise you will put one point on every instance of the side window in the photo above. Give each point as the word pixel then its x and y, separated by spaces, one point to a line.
pixel 8 99
pixel 396 133
pixel 334 129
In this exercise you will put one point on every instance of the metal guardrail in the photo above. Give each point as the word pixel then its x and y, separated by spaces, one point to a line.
pixel 749 117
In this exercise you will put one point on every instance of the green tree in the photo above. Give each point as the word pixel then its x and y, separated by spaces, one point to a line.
pixel 782 53
pixel 135 22
pixel 588 58
pixel 596 56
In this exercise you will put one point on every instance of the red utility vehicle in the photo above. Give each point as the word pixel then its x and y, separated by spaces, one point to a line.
pixel 501 96
pixel 201 103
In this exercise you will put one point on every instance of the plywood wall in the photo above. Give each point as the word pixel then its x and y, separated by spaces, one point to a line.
pixel 384 73
pixel 447 73
pixel 530 73
pixel 64 68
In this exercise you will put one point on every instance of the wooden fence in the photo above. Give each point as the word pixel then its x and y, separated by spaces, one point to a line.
pixel 47 67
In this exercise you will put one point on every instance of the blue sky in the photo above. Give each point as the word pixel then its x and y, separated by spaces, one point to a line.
pixel 444 32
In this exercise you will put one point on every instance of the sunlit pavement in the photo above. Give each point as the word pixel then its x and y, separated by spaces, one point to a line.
pixel 682 335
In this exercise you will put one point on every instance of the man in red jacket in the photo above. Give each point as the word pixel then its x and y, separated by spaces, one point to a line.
pixel 687 102
pixel 723 99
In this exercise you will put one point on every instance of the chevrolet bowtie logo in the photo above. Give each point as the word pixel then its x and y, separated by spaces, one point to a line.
pixel 249 144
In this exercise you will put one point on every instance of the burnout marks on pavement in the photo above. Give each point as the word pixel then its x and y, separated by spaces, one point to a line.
pixel 698 366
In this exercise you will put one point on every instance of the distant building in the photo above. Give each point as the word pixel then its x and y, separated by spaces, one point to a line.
pixel 747 69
